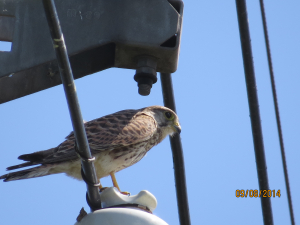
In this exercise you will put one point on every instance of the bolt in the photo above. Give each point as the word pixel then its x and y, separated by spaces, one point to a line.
pixel 145 74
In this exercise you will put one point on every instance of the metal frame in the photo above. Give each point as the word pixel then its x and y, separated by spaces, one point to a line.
pixel 100 34
pixel 171 46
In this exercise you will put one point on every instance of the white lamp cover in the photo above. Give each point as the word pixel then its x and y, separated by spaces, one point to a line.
pixel 124 216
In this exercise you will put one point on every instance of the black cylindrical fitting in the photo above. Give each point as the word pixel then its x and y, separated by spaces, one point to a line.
pixel 73 103
pixel 254 109
pixel 177 151
pixel 146 74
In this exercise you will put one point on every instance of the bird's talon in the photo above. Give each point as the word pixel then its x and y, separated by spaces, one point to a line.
pixel 125 193
pixel 102 188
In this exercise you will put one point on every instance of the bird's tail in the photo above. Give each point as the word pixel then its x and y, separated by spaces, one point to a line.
pixel 20 166
pixel 38 171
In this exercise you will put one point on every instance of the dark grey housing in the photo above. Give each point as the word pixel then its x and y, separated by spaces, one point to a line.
pixel 99 34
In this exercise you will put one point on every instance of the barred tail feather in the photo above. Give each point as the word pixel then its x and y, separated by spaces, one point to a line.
pixel 39 171
pixel 20 166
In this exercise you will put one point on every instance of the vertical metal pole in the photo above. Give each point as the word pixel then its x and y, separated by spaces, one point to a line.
pixel 72 100
pixel 254 109
pixel 280 135
pixel 179 172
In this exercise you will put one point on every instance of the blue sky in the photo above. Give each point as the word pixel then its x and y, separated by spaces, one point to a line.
pixel 213 110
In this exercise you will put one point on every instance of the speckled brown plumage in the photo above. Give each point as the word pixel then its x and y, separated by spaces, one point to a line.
pixel 117 141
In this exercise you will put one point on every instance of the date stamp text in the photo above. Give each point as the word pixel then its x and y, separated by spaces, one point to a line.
pixel 240 193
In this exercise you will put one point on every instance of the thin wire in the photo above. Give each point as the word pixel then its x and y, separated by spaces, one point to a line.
pixel 263 14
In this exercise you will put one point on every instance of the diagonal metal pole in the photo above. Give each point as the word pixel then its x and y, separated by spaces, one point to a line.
pixel 280 135
pixel 178 161
pixel 254 109
pixel 73 104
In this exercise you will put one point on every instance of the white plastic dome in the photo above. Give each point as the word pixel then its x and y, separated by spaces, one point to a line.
pixel 119 209
pixel 122 216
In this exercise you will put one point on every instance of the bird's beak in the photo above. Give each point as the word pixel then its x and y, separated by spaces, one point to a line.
pixel 177 128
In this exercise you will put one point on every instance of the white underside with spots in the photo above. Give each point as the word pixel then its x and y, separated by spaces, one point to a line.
pixel 105 163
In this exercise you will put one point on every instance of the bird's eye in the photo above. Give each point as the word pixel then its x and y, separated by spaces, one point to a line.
pixel 169 115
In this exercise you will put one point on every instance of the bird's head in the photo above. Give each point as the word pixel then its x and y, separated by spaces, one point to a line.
pixel 166 119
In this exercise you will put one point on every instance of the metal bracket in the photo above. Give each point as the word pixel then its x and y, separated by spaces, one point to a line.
pixel 99 34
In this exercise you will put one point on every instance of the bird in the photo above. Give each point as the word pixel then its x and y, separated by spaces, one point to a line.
pixel 117 141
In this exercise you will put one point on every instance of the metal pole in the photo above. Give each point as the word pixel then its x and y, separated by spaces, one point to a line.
pixel 73 104
pixel 178 161
pixel 280 135
pixel 254 109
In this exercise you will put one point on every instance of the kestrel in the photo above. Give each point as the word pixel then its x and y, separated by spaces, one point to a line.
pixel 117 141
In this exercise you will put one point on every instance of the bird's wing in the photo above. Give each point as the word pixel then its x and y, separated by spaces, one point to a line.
pixel 120 129
pixel 62 153
pixel 121 132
